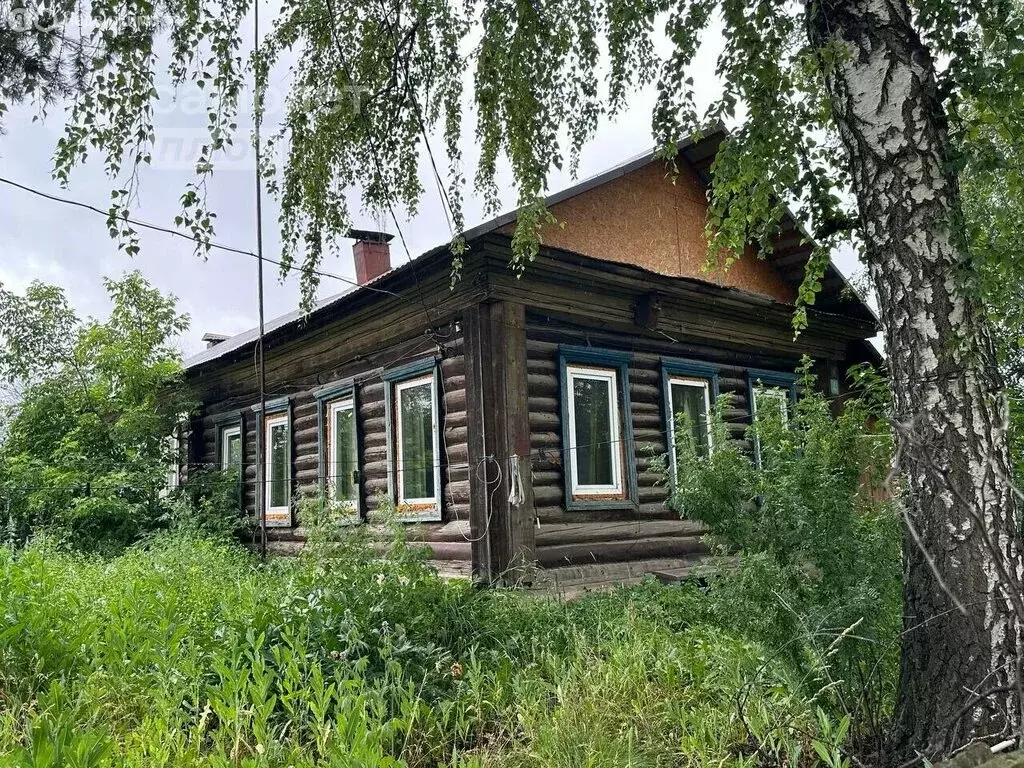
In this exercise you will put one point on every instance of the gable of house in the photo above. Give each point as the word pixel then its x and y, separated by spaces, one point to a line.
pixel 646 218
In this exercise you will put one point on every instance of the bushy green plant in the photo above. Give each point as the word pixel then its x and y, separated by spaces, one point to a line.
pixel 188 651
pixel 85 451
pixel 813 539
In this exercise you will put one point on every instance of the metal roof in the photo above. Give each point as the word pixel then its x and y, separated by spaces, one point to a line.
pixel 250 336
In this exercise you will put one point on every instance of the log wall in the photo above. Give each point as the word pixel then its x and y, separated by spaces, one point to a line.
pixel 651 530
pixel 370 393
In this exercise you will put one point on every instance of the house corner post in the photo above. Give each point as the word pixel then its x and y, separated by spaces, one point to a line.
pixel 501 487
pixel 475 331
pixel 516 531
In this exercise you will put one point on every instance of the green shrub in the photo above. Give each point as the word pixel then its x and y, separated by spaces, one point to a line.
pixel 84 450
pixel 187 651
pixel 818 545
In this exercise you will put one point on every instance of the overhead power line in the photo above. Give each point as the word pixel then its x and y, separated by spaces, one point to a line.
pixel 182 235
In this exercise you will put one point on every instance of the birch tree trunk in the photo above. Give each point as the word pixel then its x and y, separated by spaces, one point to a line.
pixel 960 544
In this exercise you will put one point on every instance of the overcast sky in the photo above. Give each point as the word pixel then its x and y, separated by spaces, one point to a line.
pixel 69 246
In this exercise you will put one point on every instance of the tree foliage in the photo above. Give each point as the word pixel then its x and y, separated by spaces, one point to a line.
pixel 86 446
pixel 370 84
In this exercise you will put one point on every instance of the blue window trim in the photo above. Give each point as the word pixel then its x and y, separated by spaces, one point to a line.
pixel 619 362
pixel 335 390
pixel 227 418
pixel 276 405
pixel 410 370
pixel 325 396
pixel 692 369
pixel 768 378
pixel 395 376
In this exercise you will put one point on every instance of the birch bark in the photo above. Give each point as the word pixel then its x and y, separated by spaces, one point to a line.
pixel 947 388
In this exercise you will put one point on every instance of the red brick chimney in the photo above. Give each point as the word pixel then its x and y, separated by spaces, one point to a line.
pixel 372 254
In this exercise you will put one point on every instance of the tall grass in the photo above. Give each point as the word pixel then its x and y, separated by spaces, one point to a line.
pixel 189 652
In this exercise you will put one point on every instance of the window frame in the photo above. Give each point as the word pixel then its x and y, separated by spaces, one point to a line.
pixel 327 397
pixel 276 411
pixel 350 506
pixel 224 433
pixel 222 423
pixel 627 497
pixel 397 380
pixel 766 381
pixel 173 475
pixel 609 375
pixel 676 369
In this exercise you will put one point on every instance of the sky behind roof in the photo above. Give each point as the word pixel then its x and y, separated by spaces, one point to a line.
pixel 69 246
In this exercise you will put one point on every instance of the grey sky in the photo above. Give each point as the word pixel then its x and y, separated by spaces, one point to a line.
pixel 69 246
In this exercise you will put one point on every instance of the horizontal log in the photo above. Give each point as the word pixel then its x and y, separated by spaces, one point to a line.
pixel 546 436
pixel 617 551
pixel 541 420
pixel 457 454
pixel 453 383
pixel 371 389
pixel 457 512
pixel 549 477
pixel 368 411
pixel 542 385
pixel 376 467
pixel 441 550
pixel 548 495
pixel 307 435
pixel 645 392
pixel 650 420
pixel 650 377
pixel 455 401
pixel 454 435
pixel 543 404
pixel 372 426
pixel 553 534
pixel 641 406
pixel 556 513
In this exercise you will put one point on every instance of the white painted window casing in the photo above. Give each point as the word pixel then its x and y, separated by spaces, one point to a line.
pixel 675 408
pixel 608 443
pixel 417 450
pixel 277 478
pixel 342 487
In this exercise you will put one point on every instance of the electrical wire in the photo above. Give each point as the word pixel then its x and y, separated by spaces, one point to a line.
pixel 175 233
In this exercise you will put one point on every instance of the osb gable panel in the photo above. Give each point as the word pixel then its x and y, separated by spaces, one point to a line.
pixel 643 218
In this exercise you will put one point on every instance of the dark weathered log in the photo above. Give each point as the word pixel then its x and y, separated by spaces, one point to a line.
pixel 618 550
pixel 553 534
pixel 542 385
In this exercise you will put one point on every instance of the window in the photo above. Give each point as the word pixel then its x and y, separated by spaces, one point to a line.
pixel 597 429
pixel 595 444
pixel 231 448
pixel 173 446
pixel 342 466
pixel 689 388
pixel 689 403
pixel 770 392
pixel 773 400
pixel 278 473
pixel 417 462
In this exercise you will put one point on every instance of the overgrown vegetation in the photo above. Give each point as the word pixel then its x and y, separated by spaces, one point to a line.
pixel 189 652
pixel 136 631
pixel 816 539
pixel 85 453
